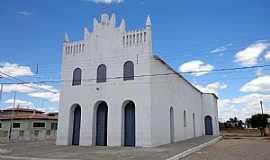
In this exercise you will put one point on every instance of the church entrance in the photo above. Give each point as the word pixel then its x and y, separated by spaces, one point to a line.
pixel 101 124
pixel 129 121
pixel 208 125
pixel 76 125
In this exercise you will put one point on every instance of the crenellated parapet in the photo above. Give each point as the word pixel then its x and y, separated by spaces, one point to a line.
pixel 106 32
pixel 134 38
pixel 74 48
pixel 138 37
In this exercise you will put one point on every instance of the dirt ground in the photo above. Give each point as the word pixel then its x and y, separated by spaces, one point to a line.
pixel 236 145
pixel 49 151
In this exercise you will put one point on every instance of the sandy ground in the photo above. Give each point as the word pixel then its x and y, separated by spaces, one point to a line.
pixel 236 145
pixel 47 151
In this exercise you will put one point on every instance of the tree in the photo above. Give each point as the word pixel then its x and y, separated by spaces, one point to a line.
pixel 259 121
pixel 234 123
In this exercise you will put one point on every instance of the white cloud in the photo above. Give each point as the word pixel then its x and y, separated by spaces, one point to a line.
pixel 18 102
pixel 34 90
pixel 259 72
pixel 244 106
pixel 221 49
pixel 24 13
pixel 17 88
pixel 267 56
pixel 28 104
pixel 212 87
pixel 104 1
pixel 260 84
pixel 15 70
pixel 197 67
pixel 52 97
pixel 217 50
pixel 28 88
pixel 249 56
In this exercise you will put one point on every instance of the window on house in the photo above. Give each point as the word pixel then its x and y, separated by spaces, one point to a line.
pixel 21 133
pixel 77 77
pixel 53 126
pixel 128 71
pixel 36 132
pixel 101 73
pixel 16 125
pixel 185 118
pixel 0 125
pixel 39 125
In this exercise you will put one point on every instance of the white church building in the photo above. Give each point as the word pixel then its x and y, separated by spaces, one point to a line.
pixel 116 92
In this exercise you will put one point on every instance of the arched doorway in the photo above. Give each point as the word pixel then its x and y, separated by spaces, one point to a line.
pixel 129 124
pixel 208 125
pixel 101 124
pixel 76 124
pixel 171 125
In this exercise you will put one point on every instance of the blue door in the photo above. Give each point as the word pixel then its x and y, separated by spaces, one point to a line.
pixel 208 125
pixel 76 125
pixel 101 124
pixel 129 124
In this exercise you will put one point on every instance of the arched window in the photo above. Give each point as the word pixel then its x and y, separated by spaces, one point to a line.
pixel 101 73
pixel 77 77
pixel 128 71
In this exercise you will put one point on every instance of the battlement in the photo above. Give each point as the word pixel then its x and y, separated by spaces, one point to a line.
pixel 106 25
pixel 74 48
pixel 134 38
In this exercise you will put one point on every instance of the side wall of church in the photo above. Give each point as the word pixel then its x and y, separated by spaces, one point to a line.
pixel 210 109
pixel 172 91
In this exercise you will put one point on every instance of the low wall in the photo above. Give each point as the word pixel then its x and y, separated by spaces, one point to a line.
pixel 26 135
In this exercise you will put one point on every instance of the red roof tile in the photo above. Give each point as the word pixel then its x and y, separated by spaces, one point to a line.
pixel 27 117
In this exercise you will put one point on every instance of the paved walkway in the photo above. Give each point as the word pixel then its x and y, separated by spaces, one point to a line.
pixel 43 151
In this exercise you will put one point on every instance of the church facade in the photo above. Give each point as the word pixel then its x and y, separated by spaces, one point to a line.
pixel 116 92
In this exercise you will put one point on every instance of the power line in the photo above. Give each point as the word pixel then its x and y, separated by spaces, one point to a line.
pixel 145 75
pixel 24 83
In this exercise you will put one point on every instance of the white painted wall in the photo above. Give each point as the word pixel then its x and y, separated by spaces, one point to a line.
pixel 173 91
pixel 105 46
pixel 210 108
pixel 153 96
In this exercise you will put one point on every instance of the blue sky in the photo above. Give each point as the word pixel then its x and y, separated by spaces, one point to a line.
pixel 190 35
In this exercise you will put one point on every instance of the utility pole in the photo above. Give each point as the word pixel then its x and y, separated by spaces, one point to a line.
pixel 14 100
pixel 12 116
pixel 1 91
pixel 262 129
pixel 261 102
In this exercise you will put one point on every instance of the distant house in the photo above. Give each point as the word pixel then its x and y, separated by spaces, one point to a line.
pixel 23 124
